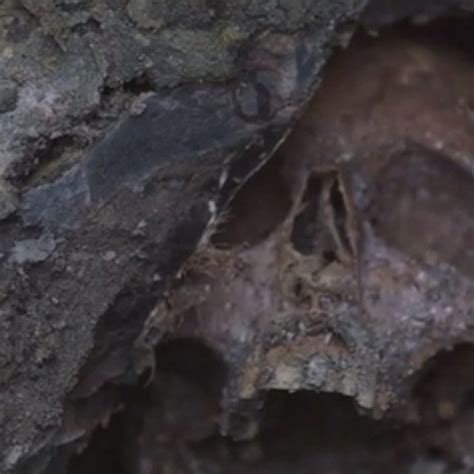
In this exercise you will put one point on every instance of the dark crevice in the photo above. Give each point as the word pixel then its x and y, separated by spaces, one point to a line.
pixel 306 432
pixel 139 85
pixel 90 26
pixel 258 208
pixel 163 420
pixel 306 227
pixel 329 256
pixel 74 6
pixel 104 453
pixel 194 361
pixel 444 388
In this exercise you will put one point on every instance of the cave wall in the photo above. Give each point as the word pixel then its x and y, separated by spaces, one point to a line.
pixel 125 129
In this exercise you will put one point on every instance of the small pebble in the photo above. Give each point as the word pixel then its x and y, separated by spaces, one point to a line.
pixel 109 256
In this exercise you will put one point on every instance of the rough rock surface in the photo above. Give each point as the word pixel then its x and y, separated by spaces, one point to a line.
pixel 134 138
pixel 356 266
pixel 343 266
pixel 124 127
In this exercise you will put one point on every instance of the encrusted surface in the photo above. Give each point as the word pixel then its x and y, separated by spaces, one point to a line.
pixel 345 263
pixel 126 127
pixel 121 133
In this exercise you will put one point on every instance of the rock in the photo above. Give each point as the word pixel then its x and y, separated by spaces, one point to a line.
pixel 8 96
pixel 33 250
pixel 8 200
pixel 219 86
